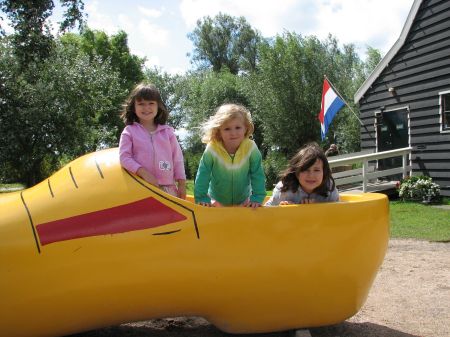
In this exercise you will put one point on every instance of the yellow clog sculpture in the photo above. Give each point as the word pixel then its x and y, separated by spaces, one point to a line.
pixel 94 246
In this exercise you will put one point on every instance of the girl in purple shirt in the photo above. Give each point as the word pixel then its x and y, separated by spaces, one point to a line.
pixel 148 147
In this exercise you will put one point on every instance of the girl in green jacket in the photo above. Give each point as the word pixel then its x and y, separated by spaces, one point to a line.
pixel 230 171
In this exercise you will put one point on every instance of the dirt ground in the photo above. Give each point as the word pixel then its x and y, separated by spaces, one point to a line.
pixel 410 298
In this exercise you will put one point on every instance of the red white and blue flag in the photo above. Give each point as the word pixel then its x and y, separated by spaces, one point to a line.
pixel 331 104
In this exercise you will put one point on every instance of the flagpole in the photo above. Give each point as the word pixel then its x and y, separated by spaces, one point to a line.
pixel 348 106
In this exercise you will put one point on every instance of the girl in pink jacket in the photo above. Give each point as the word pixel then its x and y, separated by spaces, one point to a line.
pixel 148 147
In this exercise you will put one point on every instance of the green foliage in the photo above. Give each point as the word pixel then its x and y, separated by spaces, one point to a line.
pixel 6 188
pixel 32 38
pixel 373 58
pixel 285 91
pixel 202 93
pixel 274 164
pixel 224 42
pixel 113 49
pixel 54 110
pixel 191 162
pixel 190 187
pixel 61 98
pixel 72 15
pixel 419 188
pixel 171 94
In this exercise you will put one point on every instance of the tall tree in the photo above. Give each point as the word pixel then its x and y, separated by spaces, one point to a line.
pixel 113 49
pixel 54 97
pixel 56 117
pixel 171 93
pixel 373 57
pixel 285 92
pixel 32 37
pixel 224 41
pixel 202 92
pixel 345 128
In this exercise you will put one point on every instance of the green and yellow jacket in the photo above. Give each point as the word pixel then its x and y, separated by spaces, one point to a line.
pixel 228 179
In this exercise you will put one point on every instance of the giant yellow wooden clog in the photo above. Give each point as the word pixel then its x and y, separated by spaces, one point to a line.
pixel 94 246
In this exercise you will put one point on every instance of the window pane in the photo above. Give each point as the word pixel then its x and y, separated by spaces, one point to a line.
pixel 446 111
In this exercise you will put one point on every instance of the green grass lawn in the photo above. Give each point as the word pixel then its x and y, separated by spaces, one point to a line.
pixel 11 187
pixel 408 219
pixel 417 221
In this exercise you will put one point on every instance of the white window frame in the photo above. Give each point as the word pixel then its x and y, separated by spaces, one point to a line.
pixel 441 113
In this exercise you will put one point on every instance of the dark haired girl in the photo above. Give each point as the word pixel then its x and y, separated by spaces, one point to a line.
pixel 307 179
pixel 148 147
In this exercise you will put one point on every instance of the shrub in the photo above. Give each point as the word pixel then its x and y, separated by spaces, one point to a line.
pixel 419 188
pixel 274 163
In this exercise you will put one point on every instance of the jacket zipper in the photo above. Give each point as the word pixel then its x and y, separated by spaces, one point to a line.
pixel 232 180
pixel 154 155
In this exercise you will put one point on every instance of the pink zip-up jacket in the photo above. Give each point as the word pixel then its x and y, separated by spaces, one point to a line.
pixel 159 153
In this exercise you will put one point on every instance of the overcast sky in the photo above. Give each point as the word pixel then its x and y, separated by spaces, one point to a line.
pixel 158 29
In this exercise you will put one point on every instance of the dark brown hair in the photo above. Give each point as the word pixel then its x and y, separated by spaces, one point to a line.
pixel 147 92
pixel 303 160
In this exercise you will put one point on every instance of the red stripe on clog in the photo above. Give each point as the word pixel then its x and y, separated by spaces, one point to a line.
pixel 142 214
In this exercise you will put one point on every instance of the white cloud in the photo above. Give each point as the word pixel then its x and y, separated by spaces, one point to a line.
pixel 150 12
pixel 126 24
pixel 264 15
pixel 6 25
pixel 153 34
pixel 152 61
pixel 377 23
pixel 145 38
pixel 159 33
pixel 100 21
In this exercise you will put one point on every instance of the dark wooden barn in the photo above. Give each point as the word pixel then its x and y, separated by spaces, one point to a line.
pixel 406 99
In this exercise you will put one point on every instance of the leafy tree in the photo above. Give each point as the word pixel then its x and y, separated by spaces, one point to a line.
pixel 224 42
pixel 285 91
pixel 201 93
pixel 57 115
pixel 347 128
pixel 282 91
pixel 171 93
pixel 32 37
pixel 373 58
pixel 113 49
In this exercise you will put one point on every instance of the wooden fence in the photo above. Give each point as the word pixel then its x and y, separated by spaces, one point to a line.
pixel 344 173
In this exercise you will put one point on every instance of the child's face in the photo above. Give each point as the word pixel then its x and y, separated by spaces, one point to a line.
pixel 311 178
pixel 145 110
pixel 232 134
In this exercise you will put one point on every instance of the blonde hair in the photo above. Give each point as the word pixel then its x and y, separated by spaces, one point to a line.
pixel 225 113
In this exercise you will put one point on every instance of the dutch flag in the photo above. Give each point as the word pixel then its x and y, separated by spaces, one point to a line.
pixel 331 104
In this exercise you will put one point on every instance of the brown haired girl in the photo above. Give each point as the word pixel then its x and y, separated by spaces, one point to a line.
pixel 148 147
pixel 307 179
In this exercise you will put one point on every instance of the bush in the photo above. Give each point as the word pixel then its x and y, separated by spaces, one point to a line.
pixel 419 188
pixel 191 162
pixel 273 164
